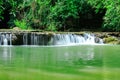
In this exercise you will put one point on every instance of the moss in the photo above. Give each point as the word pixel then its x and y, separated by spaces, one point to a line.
pixel 111 40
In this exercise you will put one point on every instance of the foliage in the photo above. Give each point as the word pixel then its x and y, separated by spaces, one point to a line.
pixel 53 14
pixel 12 7
pixel 44 14
pixel 51 27
pixel 65 9
pixel 33 12
pixel 1 9
pixel 21 24
pixel 61 11
pixel 112 15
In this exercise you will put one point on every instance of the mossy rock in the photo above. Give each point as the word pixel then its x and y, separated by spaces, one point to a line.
pixel 111 40
pixel 16 28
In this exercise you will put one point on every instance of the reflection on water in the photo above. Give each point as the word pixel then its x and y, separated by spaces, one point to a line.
pixel 50 56
pixel 87 55
pixel 85 62
pixel 6 54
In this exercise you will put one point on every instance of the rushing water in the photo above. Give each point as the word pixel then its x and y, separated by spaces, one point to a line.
pixel 46 39
pixel 83 62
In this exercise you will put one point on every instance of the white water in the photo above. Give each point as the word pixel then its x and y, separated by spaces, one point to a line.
pixel 31 39
pixel 68 39
pixel 5 39
pixel 56 39
pixel 35 39
pixel 25 39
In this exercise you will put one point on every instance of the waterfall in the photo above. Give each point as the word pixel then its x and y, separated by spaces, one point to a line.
pixel 46 39
pixel 25 39
pixel 34 39
pixel 10 39
pixel 5 39
pixel 31 39
pixel 68 39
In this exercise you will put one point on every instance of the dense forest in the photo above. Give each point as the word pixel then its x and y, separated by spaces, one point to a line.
pixel 61 15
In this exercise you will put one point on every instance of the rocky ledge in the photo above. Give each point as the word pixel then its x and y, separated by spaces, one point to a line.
pixel 108 37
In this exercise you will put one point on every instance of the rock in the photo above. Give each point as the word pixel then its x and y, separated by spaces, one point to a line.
pixel 14 37
pixel 16 28
pixel 97 40
pixel 111 40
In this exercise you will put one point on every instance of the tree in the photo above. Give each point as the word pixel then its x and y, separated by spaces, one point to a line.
pixel 112 15
pixel 53 14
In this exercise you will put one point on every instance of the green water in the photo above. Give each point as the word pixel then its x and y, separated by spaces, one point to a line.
pixel 84 62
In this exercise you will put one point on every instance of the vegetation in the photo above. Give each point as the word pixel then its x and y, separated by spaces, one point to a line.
pixel 1 9
pixel 112 17
pixel 58 15
pixel 21 24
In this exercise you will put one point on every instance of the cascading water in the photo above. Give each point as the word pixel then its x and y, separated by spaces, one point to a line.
pixel 46 39
pixel 68 39
pixel 5 39
pixel 25 39
pixel 33 39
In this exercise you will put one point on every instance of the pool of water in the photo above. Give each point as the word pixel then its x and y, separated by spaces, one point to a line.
pixel 80 62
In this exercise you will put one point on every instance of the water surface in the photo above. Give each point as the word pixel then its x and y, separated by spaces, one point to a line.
pixel 81 62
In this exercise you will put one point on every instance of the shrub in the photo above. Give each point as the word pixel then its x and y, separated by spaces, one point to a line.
pixel 21 24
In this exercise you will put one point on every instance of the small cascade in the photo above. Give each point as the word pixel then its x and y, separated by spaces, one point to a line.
pixel 5 39
pixel 25 39
pixel 101 41
pixel 68 39
pixel 89 38
pixel 34 38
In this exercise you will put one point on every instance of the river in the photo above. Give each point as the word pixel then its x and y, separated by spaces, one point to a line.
pixel 75 62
